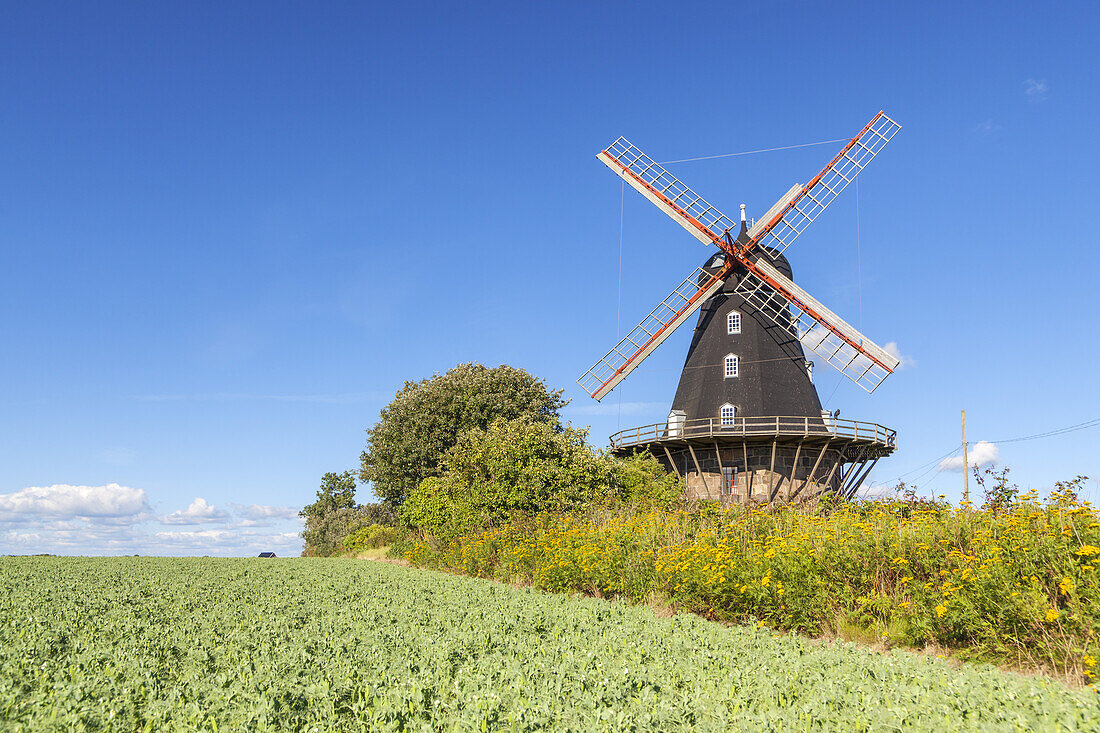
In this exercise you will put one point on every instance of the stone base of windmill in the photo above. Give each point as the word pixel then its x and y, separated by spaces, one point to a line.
pixel 763 459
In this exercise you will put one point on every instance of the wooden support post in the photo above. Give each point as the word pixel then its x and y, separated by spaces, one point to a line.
pixel 809 476
pixel 856 484
pixel 771 469
pixel 829 478
pixel 748 473
pixel 721 473
pixel 848 471
pixel 794 468
pixel 839 460
pixel 846 480
pixel 699 470
pixel 670 461
pixel 853 485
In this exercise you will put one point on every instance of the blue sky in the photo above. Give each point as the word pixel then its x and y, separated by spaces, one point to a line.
pixel 229 232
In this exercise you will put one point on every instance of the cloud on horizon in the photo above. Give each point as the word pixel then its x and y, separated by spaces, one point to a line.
pixel 258 511
pixel 982 453
pixel 197 512
pixel 869 490
pixel 66 500
pixel 112 519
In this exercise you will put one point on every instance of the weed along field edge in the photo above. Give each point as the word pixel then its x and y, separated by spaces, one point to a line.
pixel 204 644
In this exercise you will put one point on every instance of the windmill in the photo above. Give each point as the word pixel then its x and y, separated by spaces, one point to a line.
pixel 746 422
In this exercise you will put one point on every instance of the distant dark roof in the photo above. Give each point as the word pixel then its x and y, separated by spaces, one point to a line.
pixel 267 554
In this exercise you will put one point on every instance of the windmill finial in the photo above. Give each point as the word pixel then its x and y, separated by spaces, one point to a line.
pixel 742 212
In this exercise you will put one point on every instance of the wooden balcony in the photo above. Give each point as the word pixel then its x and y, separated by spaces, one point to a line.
pixel 753 429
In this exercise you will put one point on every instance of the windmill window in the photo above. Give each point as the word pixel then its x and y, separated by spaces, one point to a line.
pixel 733 322
pixel 731 365
pixel 728 414
pixel 729 480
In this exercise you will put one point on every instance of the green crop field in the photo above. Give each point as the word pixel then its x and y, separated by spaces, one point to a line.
pixel 183 644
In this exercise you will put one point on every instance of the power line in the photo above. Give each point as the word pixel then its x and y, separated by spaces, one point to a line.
pixel 924 466
pixel 1095 422
pixel 1050 433
pixel 750 152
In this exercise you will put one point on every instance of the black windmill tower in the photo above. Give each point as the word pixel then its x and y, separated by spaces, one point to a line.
pixel 746 422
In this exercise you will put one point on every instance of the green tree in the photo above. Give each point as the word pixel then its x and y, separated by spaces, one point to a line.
pixel 426 418
pixel 332 516
pixel 519 465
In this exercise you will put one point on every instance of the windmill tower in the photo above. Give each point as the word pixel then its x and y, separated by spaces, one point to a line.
pixel 746 422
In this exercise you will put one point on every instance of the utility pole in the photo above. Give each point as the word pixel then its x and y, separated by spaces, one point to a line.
pixel 966 466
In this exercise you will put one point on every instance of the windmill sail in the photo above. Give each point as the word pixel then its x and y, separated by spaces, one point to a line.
pixel 651 332
pixel 825 333
pixel 781 229
pixel 687 208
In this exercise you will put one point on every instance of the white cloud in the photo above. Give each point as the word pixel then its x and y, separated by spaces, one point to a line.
pixel 1036 89
pixel 981 453
pixel 200 535
pixel 65 500
pixel 197 512
pixel 260 511
pixel 880 491
pixel 892 349
pixel 117 520
pixel 226 542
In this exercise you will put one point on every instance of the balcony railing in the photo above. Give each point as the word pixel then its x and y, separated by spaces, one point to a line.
pixel 742 427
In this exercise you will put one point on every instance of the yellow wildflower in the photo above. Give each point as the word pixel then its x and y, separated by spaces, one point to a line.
pixel 941 610
pixel 1052 614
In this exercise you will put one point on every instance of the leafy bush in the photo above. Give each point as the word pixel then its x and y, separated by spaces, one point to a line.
pixel 1015 582
pixel 642 482
pixel 370 537
pixel 519 465
pixel 426 418
pixel 379 513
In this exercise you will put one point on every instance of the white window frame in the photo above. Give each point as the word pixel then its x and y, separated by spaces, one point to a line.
pixel 722 419
pixel 731 366
pixel 733 322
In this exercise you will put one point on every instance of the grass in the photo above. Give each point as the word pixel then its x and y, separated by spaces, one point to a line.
pixel 336 644
pixel 375 553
